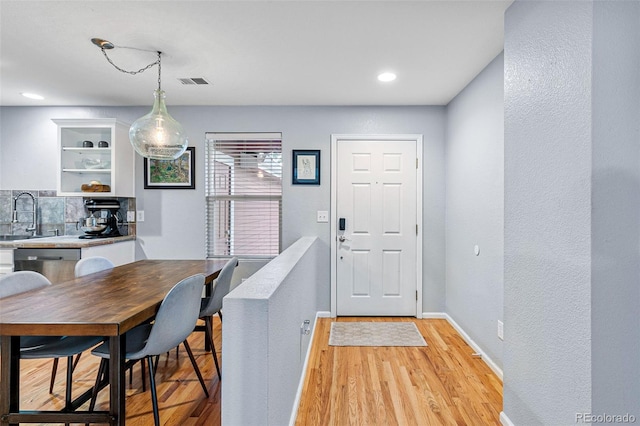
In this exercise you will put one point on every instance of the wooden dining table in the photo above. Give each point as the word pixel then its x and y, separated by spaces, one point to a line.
pixel 106 303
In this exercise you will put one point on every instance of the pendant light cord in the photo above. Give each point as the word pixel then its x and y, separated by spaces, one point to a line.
pixel 159 71
pixel 158 63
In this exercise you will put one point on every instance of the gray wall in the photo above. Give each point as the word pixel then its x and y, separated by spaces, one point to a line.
pixel 571 211
pixel 174 219
pixel 474 212
pixel 615 268
pixel 547 295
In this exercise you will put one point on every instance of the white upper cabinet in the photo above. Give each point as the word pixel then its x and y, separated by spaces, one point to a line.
pixel 95 158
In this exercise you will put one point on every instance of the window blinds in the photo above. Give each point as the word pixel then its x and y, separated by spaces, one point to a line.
pixel 243 181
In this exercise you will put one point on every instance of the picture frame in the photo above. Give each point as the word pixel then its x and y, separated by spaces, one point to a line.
pixel 305 167
pixel 171 174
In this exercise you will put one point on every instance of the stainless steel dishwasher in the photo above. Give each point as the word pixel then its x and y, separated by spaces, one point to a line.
pixel 57 264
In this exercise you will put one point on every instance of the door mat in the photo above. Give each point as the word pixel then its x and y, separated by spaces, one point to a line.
pixel 375 334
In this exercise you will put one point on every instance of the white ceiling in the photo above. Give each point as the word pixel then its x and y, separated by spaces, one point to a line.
pixel 252 52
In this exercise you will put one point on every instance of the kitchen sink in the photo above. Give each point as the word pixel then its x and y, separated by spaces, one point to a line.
pixel 18 237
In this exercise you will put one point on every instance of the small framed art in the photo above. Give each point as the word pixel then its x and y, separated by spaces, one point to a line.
pixel 171 174
pixel 306 167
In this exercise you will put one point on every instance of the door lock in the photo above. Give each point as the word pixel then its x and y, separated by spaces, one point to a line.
pixel 342 238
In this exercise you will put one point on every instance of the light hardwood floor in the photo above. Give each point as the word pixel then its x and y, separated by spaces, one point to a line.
pixel 440 384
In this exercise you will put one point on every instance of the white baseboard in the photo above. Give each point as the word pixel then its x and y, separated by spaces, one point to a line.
pixel 505 420
pixel 303 373
pixel 487 360
pixel 434 315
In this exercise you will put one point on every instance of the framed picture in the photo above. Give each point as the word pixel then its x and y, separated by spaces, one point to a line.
pixel 171 174
pixel 306 167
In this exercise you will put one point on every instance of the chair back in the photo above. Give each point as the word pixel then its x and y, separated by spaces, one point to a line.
pixel 220 289
pixel 89 265
pixel 21 281
pixel 176 317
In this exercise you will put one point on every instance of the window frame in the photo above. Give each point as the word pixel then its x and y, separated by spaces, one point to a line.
pixel 213 140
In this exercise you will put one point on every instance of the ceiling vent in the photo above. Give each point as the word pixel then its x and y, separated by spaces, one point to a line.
pixel 193 80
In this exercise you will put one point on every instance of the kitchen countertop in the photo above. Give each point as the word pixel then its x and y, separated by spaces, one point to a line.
pixel 63 241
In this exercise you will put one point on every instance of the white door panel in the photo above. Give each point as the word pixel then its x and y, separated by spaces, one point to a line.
pixel 376 194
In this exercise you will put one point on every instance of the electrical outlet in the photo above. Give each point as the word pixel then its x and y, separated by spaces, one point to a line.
pixel 131 216
pixel 500 330
pixel 323 216
pixel 305 328
pixel 140 215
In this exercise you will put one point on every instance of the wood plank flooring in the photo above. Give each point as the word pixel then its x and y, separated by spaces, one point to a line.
pixel 441 384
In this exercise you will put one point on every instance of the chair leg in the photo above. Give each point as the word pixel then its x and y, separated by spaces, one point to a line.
pixel 209 335
pixel 75 363
pixel 154 395
pixel 143 371
pixel 102 370
pixel 195 367
pixel 54 371
pixel 67 398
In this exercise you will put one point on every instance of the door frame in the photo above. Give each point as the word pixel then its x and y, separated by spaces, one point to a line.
pixel 335 139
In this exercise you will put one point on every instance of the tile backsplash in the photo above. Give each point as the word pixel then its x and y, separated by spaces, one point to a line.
pixel 53 213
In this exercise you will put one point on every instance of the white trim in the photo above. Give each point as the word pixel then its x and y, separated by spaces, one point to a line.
pixel 434 315
pixel 505 420
pixel 296 402
pixel 487 360
pixel 420 224
pixel 333 219
pixel 419 214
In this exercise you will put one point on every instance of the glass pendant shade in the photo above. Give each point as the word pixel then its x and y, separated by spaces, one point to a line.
pixel 157 135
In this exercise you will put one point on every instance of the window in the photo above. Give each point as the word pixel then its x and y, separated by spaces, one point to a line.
pixel 243 180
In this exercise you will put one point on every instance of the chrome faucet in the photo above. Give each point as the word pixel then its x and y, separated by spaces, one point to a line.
pixel 34 216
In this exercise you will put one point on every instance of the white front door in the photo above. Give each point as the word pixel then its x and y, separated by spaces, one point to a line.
pixel 376 202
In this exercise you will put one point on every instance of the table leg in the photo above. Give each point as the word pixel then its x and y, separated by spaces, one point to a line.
pixel 117 389
pixel 9 378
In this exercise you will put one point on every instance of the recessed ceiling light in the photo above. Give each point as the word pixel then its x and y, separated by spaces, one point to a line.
pixel 32 96
pixel 386 77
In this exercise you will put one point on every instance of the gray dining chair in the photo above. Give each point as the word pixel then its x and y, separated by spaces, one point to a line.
pixel 84 266
pixel 20 282
pixel 211 305
pixel 93 264
pixel 175 320
pixel 41 347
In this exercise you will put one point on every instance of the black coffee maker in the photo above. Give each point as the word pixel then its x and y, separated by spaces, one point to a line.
pixel 103 220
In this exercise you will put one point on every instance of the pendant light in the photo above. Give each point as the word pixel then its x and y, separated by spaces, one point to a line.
pixel 156 135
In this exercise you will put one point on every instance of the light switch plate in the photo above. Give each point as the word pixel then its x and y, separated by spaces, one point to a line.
pixel 323 216
pixel 140 215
